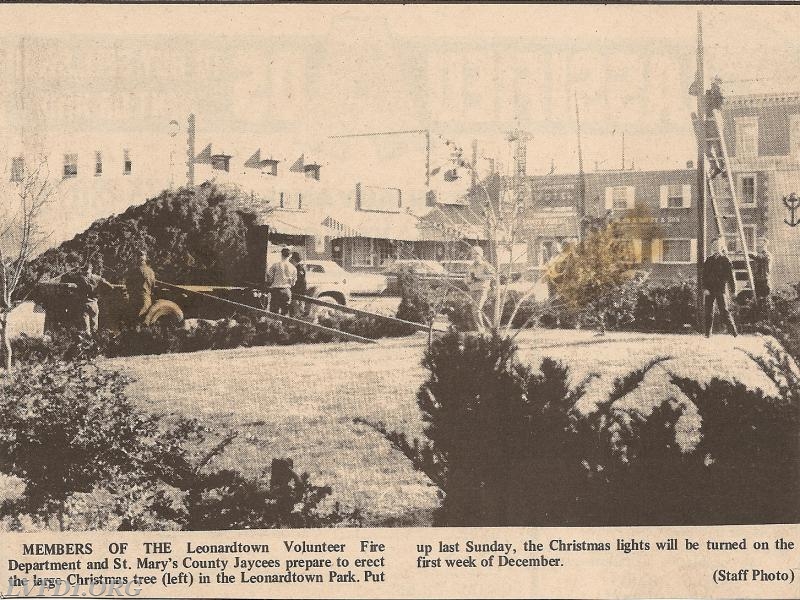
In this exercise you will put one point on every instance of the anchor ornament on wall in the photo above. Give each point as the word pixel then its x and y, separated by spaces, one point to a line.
pixel 792 203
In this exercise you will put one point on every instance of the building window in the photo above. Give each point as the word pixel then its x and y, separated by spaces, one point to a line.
pixel 17 168
pixel 221 162
pixel 312 171
pixel 620 197
pixel 631 248
pixel 675 196
pixel 362 252
pixel 750 237
pixel 747 190
pixel 794 136
pixel 384 251
pixel 746 136
pixel 269 167
pixel 280 202
pixel 299 201
pixel 127 165
pixel 98 163
pixel 70 165
pixel 734 242
pixel 674 251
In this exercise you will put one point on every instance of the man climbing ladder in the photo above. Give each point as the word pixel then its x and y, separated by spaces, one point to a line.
pixel 719 181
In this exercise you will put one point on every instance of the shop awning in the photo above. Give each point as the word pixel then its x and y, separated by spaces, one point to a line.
pixel 389 226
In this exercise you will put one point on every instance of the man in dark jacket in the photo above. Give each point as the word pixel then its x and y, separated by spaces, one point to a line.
pixel 717 277
pixel 139 282
pixel 300 286
pixel 85 286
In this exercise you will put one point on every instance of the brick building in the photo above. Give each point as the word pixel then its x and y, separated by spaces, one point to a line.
pixel 762 134
pixel 656 211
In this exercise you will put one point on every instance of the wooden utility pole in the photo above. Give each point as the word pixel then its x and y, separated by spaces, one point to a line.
pixel 581 175
pixel 699 87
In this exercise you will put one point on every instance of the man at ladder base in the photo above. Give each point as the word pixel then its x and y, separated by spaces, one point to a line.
pixel 717 277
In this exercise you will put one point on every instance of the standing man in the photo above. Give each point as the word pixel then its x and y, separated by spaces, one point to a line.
pixel 479 281
pixel 300 285
pixel 85 287
pixel 762 272
pixel 281 277
pixel 717 277
pixel 139 282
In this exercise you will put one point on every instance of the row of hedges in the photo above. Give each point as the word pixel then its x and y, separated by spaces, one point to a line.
pixel 86 458
pixel 670 308
pixel 238 332
pixel 509 448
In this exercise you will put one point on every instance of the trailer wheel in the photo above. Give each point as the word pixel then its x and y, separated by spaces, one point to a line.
pixel 333 296
pixel 163 312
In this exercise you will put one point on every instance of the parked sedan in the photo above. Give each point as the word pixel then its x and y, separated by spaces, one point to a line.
pixel 366 284
pixel 532 284
pixel 424 270
pixel 327 280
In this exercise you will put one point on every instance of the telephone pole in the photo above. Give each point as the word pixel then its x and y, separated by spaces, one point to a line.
pixel 699 86
pixel 581 175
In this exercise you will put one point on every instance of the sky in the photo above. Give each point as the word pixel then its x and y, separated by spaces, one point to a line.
pixel 301 73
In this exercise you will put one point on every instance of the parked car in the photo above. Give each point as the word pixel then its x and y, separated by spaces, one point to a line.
pixel 533 282
pixel 458 268
pixel 425 270
pixel 366 284
pixel 327 281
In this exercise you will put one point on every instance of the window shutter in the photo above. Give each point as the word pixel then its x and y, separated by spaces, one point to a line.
pixel 663 196
pixel 655 250
pixel 693 250
pixel 630 196
pixel 637 250
pixel 609 198
pixel 687 196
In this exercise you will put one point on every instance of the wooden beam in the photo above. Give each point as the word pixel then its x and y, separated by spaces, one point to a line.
pixel 276 316
pixel 365 313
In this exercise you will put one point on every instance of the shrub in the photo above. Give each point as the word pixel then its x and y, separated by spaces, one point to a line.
pixel 420 301
pixel 508 446
pixel 458 308
pixel 70 434
pixel 749 443
pixel 241 331
pixel 665 308
pixel 501 430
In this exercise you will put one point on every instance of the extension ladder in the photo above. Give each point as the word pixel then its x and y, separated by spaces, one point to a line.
pixel 724 201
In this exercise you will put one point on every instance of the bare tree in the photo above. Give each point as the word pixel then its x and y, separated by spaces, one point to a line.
pixel 502 228
pixel 21 237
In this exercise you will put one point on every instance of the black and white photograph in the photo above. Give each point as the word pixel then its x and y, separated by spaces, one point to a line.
pixel 341 266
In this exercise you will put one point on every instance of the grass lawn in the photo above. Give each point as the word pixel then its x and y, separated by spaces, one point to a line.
pixel 300 401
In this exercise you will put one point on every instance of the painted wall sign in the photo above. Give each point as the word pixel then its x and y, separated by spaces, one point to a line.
pixel 792 204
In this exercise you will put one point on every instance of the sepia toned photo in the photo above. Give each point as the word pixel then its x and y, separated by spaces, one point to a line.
pixel 342 267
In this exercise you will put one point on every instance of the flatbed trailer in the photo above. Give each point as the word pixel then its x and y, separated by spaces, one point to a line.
pixel 209 302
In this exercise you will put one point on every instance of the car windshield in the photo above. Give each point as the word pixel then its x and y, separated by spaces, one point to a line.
pixel 324 266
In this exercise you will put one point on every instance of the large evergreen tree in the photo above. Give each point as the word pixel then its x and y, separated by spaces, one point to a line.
pixel 192 235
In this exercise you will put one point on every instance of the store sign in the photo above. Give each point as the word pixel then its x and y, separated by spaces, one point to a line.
pixel 552 223
pixel 648 220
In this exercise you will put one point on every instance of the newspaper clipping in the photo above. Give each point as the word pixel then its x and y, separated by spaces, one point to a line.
pixel 427 301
